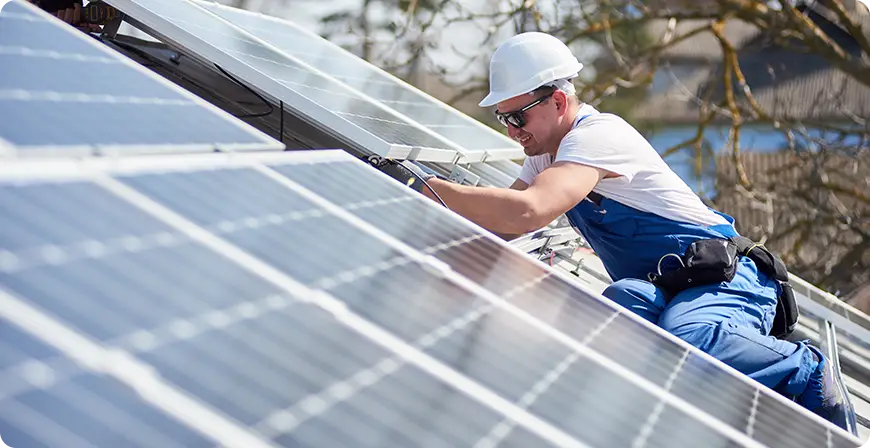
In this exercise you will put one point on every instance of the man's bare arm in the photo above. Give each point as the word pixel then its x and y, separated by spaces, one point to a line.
pixel 508 211
pixel 518 185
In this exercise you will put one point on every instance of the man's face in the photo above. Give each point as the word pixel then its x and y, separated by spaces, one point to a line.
pixel 537 115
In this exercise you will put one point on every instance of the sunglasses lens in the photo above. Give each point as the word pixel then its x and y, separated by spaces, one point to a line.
pixel 516 120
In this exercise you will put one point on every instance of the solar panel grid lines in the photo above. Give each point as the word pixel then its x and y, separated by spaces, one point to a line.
pixel 504 428
pixel 92 356
pixel 37 90
pixel 360 74
pixel 33 373
pixel 721 391
pixel 285 420
pixel 561 374
pixel 340 311
pixel 502 303
pixel 731 376
pixel 265 66
pixel 193 159
pixel 648 426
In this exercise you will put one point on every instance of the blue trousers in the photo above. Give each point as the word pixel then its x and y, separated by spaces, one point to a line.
pixel 730 321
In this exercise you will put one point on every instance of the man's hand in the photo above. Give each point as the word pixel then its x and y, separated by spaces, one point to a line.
pixel 70 11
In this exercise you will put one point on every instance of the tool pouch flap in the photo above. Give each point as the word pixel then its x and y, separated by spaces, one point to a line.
pixel 705 262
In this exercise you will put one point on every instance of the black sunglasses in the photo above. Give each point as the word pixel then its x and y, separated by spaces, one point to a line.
pixel 517 118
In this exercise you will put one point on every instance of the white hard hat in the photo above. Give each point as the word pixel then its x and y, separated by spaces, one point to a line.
pixel 525 62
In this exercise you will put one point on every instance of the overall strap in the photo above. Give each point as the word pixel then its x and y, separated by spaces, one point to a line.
pixel 578 120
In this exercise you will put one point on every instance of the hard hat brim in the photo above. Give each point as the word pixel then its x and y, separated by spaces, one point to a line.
pixel 494 98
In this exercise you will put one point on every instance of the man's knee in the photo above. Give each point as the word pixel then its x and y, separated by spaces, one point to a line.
pixel 702 335
pixel 639 296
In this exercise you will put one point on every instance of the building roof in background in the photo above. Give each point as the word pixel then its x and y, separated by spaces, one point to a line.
pixel 703 46
pixel 786 83
pixel 789 196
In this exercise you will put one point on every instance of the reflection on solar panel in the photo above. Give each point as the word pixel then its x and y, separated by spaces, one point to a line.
pixel 64 93
pixel 325 102
pixel 365 77
pixel 251 302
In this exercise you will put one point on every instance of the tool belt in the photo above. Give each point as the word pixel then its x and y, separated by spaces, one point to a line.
pixel 715 260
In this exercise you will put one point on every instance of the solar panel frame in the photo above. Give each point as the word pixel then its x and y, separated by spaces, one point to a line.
pixel 263 142
pixel 511 149
pixel 165 30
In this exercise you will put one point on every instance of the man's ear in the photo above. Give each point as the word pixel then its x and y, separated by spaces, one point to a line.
pixel 561 99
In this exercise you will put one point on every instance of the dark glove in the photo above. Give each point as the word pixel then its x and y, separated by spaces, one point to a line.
pixel 407 172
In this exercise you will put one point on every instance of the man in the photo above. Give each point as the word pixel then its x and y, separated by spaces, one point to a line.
pixel 640 218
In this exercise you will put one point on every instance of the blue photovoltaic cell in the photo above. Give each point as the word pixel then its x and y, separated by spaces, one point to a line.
pixel 267 220
pixel 58 89
pixel 30 221
pixel 46 400
pixel 409 220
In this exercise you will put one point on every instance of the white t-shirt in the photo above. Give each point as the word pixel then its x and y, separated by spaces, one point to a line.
pixel 645 181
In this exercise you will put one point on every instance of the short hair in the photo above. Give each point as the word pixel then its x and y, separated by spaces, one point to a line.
pixel 549 88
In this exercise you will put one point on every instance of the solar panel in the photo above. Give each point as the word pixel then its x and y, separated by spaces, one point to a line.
pixel 376 83
pixel 250 302
pixel 62 92
pixel 329 104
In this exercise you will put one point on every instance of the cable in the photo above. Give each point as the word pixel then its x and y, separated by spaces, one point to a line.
pixel 261 114
pixel 281 126
pixel 379 162
pixel 152 62
pixel 157 63
pixel 430 189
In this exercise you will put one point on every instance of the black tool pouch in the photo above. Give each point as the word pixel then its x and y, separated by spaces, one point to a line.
pixel 715 260
pixel 705 262
pixel 787 312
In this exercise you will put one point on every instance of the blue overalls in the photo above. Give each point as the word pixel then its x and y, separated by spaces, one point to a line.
pixel 729 321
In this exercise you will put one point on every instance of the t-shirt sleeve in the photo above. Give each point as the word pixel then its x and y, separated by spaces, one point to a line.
pixel 605 143
pixel 529 171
